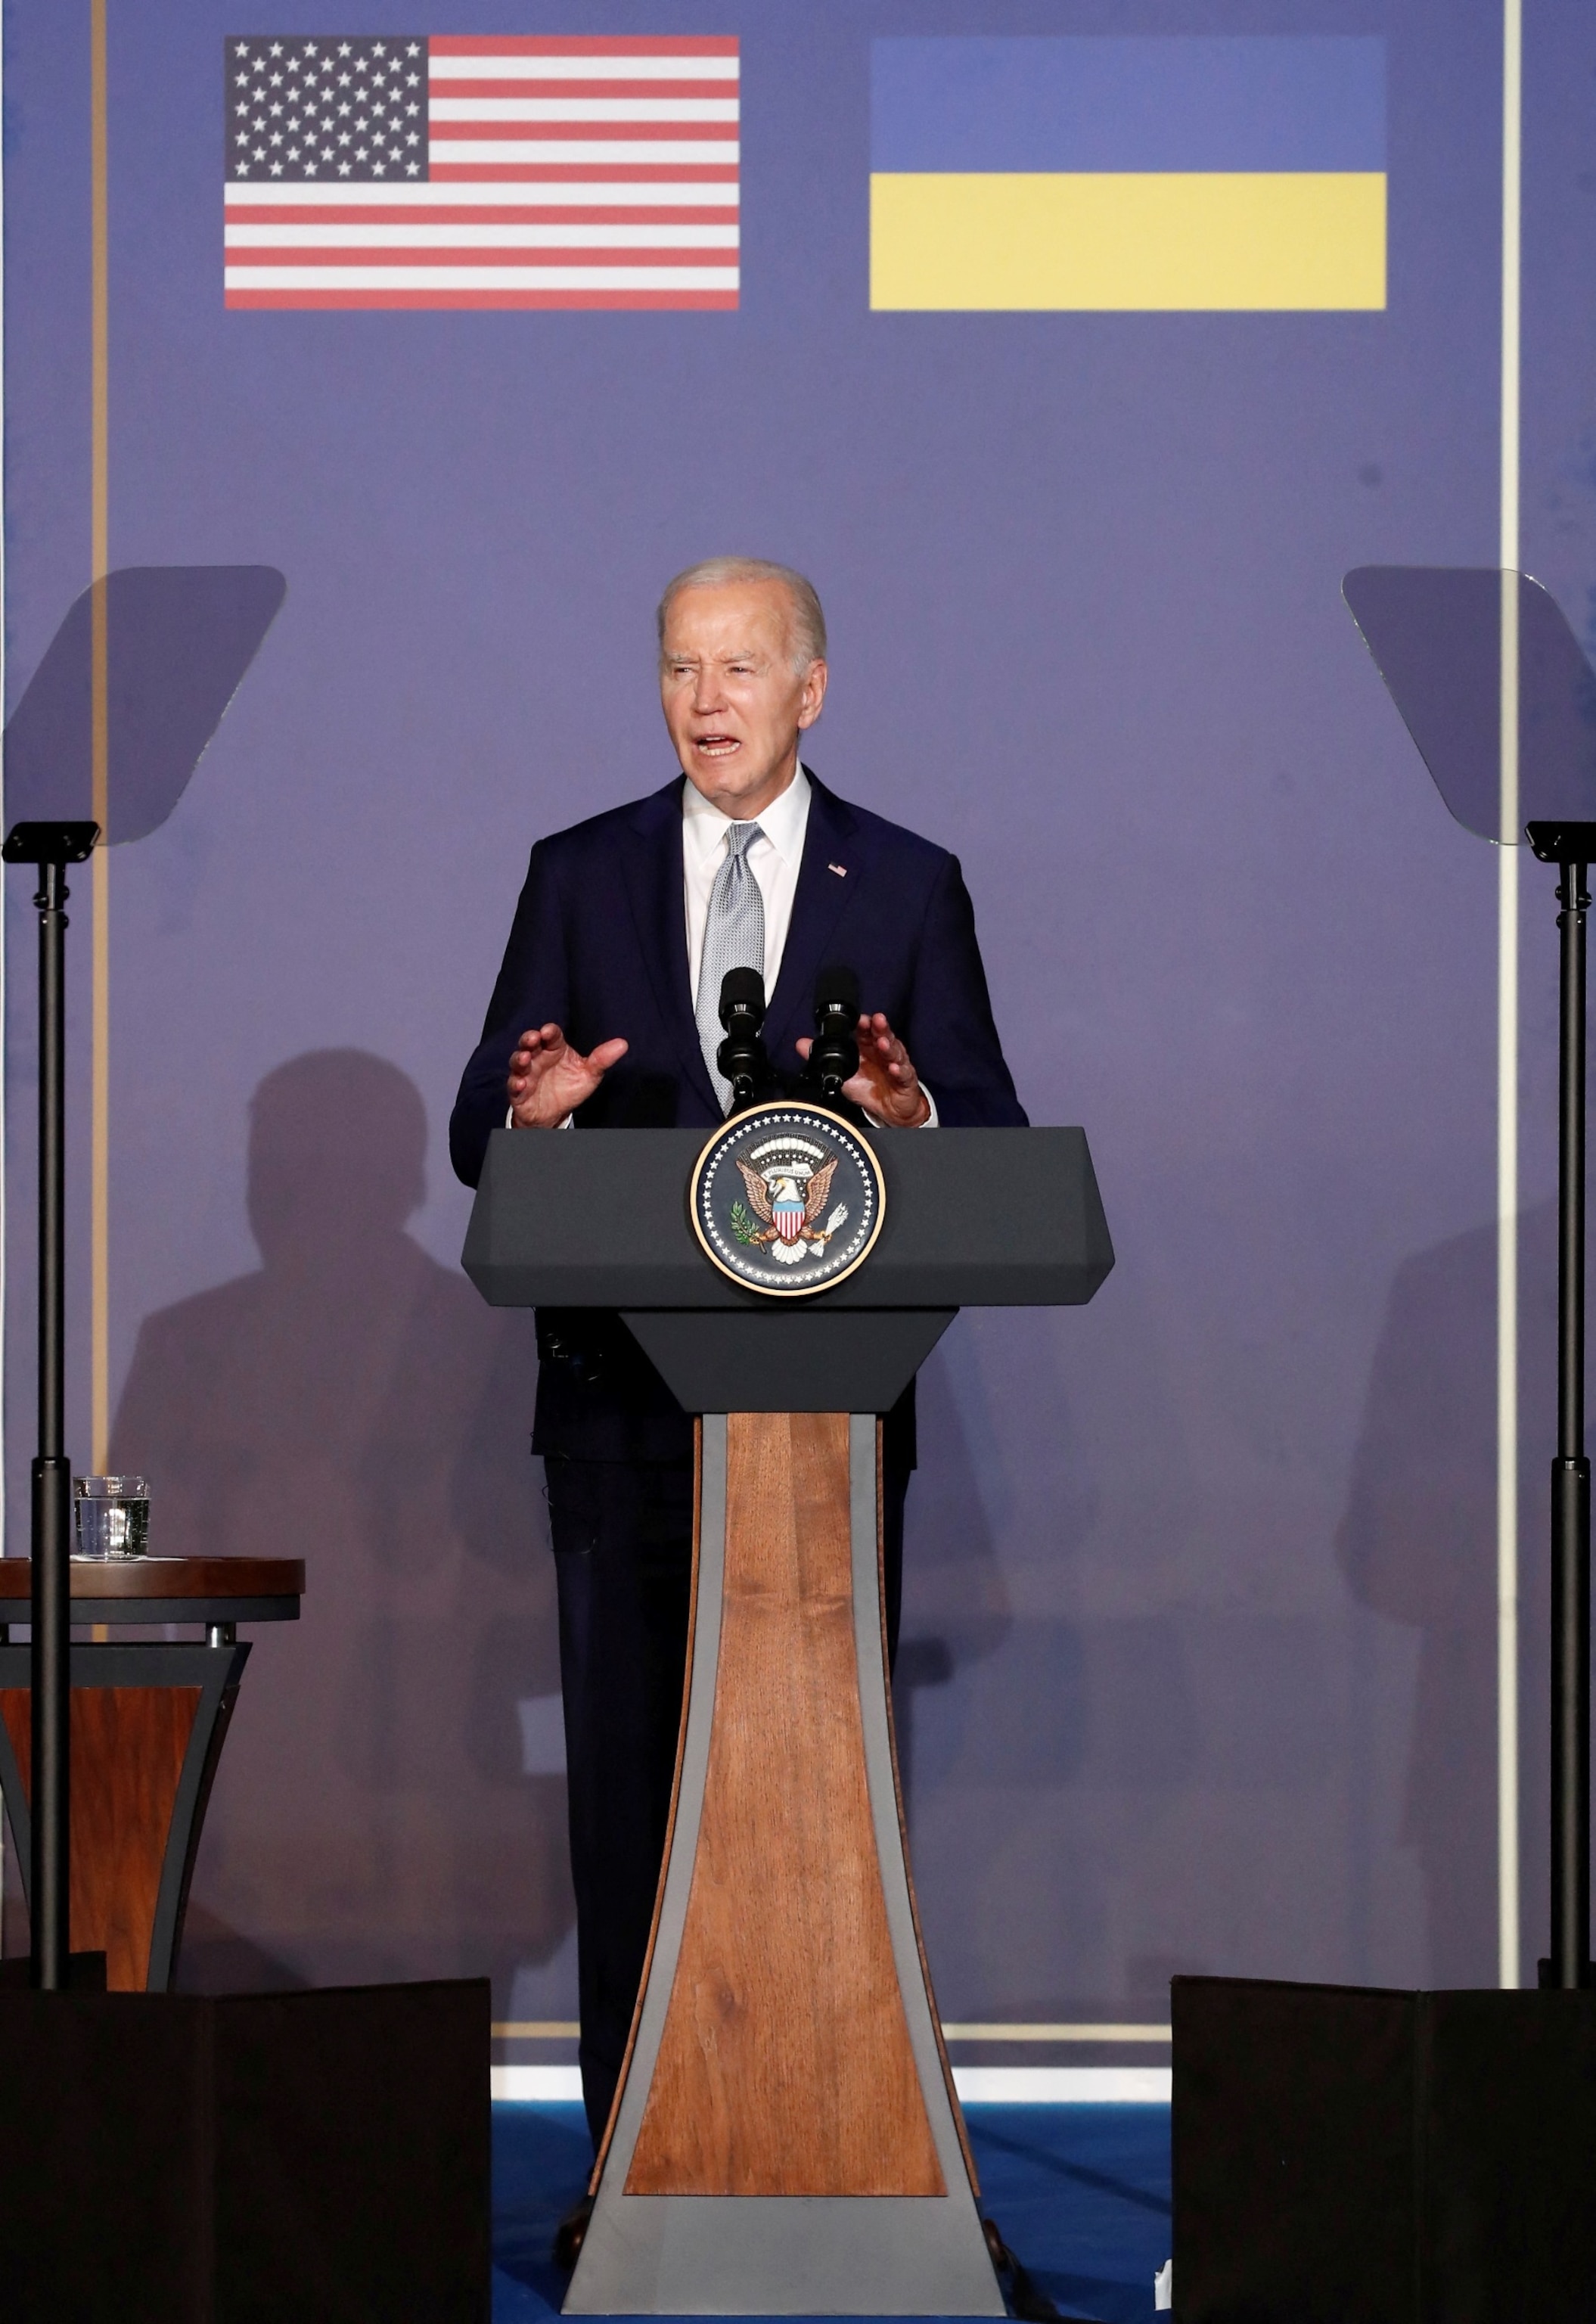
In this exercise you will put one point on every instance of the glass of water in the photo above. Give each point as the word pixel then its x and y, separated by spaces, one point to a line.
pixel 112 1516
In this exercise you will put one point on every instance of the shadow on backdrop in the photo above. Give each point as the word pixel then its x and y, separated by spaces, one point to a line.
pixel 1417 1544
pixel 955 1600
pixel 386 1805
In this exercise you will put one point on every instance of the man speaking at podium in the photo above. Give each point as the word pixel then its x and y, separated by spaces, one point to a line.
pixel 607 1014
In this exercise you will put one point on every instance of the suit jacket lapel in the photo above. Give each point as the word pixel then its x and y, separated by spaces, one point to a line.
pixel 830 838
pixel 653 865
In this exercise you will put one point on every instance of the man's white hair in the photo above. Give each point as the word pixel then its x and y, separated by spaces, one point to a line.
pixel 806 623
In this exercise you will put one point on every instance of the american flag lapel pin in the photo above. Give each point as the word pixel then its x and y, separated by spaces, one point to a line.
pixel 840 868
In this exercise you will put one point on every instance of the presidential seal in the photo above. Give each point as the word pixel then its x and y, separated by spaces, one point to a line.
pixel 787 1199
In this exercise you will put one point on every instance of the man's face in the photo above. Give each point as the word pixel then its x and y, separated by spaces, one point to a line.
pixel 732 701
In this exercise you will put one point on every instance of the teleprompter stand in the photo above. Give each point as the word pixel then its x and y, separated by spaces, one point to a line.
pixel 52 846
pixel 128 694
pixel 1571 846
pixel 1496 691
pixel 785 2139
pixel 1346 2156
pixel 179 2158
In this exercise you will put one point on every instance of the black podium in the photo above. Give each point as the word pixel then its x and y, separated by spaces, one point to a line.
pixel 785 2139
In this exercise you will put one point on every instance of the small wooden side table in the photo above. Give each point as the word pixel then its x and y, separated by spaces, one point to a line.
pixel 148 1721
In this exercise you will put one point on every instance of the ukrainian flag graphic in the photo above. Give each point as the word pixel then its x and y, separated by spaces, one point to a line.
pixel 1195 173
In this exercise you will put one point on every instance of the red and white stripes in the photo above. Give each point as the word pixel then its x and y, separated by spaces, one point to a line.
pixel 562 172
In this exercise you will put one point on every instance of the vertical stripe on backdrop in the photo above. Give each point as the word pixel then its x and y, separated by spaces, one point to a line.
pixel 4 634
pixel 1506 1101
pixel 99 691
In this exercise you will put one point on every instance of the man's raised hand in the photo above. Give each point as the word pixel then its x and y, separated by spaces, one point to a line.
pixel 548 1079
pixel 886 1085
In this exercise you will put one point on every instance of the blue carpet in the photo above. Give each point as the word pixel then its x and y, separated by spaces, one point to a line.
pixel 1080 2193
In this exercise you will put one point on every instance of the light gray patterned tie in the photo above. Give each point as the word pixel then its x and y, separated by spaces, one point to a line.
pixel 734 937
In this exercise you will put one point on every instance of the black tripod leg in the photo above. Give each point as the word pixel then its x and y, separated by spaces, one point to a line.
pixel 50 1891
pixel 1569 1964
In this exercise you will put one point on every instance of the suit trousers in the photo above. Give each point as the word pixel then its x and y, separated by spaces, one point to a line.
pixel 623 1536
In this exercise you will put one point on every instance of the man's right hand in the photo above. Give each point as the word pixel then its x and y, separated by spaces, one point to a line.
pixel 548 1079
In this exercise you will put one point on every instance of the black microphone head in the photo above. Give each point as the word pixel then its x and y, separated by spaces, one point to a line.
pixel 742 988
pixel 837 988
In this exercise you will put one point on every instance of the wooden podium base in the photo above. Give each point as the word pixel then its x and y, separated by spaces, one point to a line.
pixel 785 2139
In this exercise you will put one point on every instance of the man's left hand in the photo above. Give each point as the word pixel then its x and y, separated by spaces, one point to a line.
pixel 886 1085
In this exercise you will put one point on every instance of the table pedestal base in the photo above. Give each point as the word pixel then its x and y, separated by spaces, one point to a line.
pixel 147 1727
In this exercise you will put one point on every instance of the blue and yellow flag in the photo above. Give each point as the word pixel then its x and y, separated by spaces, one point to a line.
pixel 1143 173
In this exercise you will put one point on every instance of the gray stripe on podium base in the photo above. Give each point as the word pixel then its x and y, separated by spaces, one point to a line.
pixel 689 1811
pixel 785 2254
pixel 888 1839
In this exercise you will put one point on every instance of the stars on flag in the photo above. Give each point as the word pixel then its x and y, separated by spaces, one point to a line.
pixel 304 109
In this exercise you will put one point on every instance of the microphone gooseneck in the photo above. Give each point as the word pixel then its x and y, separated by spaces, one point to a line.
pixel 835 1057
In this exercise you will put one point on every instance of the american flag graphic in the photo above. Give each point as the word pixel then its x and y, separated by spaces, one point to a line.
pixel 397 171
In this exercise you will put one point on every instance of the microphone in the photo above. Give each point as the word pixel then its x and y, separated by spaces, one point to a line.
pixel 742 1057
pixel 743 996
pixel 835 1057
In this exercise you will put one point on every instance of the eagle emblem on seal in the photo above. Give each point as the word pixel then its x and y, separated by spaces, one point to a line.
pixel 788 1200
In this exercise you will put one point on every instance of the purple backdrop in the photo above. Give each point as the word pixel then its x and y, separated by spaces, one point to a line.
pixel 1199 1663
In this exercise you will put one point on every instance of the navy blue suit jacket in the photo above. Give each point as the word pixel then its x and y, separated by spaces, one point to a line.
pixel 598 947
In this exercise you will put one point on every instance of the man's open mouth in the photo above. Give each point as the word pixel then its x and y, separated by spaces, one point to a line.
pixel 716 746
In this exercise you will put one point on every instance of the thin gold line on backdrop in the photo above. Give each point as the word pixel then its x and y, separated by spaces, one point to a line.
pixel 5 1190
pixel 1506 1013
pixel 99 1195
